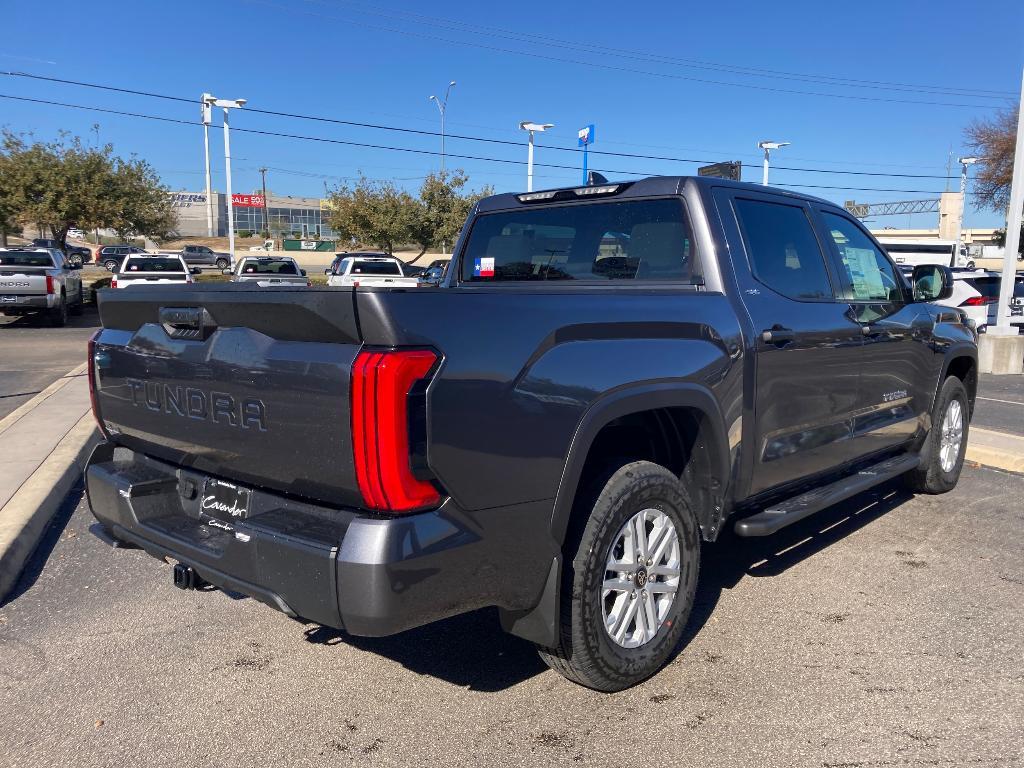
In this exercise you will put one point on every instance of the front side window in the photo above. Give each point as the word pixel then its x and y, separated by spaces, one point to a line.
pixel 621 240
pixel 869 275
pixel 783 251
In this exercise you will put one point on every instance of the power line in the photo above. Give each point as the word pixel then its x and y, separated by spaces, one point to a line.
pixel 614 68
pixel 409 150
pixel 504 142
pixel 547 40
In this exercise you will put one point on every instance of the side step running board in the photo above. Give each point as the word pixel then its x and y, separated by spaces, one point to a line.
pixel 798 507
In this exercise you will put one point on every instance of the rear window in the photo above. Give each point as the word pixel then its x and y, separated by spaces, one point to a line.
pixel 376 268
pixel 151 264
pixel 275 267
pixel 622 240
pixel 25 259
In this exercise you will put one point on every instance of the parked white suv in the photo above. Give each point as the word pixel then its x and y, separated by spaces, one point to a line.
pixel 147 269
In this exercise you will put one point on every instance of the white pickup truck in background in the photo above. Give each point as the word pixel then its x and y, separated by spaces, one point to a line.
pixel 40 281
pixel 383 271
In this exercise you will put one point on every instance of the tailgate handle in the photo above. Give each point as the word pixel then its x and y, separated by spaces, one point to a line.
pixel 187 322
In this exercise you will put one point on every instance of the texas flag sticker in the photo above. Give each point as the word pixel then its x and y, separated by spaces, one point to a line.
pixel 484 267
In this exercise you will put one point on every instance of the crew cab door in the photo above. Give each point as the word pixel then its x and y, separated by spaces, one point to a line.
pixel 805 345
pixel 899 363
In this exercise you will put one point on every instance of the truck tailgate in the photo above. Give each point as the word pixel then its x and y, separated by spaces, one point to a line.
pixel 22 281
pixel 238 382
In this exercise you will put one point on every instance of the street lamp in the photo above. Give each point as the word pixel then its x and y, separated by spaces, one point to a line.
pixel 442 106
pixel 768 146
pixel 531 127
pixel 964 162
pixel 227 104
pixel 207 114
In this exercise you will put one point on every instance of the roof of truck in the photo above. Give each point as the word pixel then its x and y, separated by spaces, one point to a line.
pixel 651 185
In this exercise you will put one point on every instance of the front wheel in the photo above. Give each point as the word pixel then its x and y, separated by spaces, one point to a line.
pixel 942 455
pixel 629 588
pixel 222 264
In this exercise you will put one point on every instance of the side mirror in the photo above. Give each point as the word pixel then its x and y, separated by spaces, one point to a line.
pixel 303 272
pixel 932 282
pixel 327 271
pixel 196 271
pixel 226 272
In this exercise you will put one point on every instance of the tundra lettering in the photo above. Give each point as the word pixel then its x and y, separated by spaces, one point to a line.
pixel 601 380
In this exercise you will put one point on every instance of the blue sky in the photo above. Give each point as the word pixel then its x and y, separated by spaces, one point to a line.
pixel 701 81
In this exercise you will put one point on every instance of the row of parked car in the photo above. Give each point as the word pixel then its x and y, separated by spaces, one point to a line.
pixel 976 293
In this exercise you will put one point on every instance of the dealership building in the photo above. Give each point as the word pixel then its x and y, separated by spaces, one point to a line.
pixel 301 217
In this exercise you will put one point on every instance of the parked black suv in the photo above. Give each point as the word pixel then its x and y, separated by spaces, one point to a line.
pixel 605 377
pixel 111 256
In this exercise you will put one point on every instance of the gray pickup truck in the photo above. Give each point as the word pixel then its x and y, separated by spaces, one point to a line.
pixel 202 256
pixel 268 271
pixel 40 281
pixel 606 377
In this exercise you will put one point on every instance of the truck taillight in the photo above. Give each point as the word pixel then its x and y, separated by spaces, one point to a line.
pixel 113 282
pixel 49 284
pixel 93 376
pixel 381 385
pixel 979 301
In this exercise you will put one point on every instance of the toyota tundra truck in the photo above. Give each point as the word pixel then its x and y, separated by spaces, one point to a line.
pixel 42 282
pixel 606 377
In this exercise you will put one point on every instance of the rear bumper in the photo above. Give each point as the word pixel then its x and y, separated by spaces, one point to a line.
pixel 27 303
pixel 368 576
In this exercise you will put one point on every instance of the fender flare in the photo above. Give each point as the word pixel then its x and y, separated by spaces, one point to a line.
pixel 958 350
pixel 541 624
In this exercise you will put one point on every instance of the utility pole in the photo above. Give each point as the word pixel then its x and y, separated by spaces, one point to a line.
pixel 266 215
pixel 207 113
pixel 1013 222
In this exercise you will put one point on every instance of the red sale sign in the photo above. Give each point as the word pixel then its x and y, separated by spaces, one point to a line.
pixel 247 201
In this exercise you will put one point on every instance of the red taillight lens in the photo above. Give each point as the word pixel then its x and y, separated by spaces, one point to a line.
pixel 978 301
pixel 381 382
pixel 113 282
pixel 49 284
pixel 93 383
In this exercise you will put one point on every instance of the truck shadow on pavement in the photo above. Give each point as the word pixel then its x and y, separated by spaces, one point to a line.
pixel 472 651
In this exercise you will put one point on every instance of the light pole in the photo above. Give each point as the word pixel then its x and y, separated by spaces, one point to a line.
pixel 768 146
pixel 207 113
pixel 442 106
pixel 228 104
pixel 964 162
pixel 531 127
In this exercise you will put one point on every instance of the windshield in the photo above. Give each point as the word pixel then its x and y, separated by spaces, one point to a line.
pixel 151 264
pixel 630 240
pixel 25 259
pixel 269 267
pixel 376 268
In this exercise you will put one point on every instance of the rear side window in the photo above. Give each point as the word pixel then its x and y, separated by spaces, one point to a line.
pixel 783 250
pixel 277 267
pixel 622 240
pixel 150 264
pixel 25 259
pixel 376 268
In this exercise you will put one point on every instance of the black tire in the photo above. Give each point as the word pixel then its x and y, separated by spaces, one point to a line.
pixel 930 477
pixel 586 653
pixel 110 265
pixel 222 264
pixel 58 316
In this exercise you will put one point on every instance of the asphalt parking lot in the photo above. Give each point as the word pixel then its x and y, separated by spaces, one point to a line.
pixel 885 631
pixel 33 355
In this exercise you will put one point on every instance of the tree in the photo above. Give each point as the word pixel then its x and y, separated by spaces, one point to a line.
pixel 64 183
pixel 994 141
pixel 444 209
pixel 374 212
pixel 8 208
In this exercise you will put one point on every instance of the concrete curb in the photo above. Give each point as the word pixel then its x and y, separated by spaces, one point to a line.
pixel 995 449
pixel 25 518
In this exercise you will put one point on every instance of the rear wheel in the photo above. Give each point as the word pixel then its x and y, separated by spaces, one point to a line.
pixel 942 455
pixel 58 316
pixel 629 588
pixel 110 265
pixel 79 306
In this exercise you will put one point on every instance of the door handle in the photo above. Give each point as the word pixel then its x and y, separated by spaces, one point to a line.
pixel 777 335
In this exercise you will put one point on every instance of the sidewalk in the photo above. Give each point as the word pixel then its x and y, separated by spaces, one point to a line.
pixel 43 446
